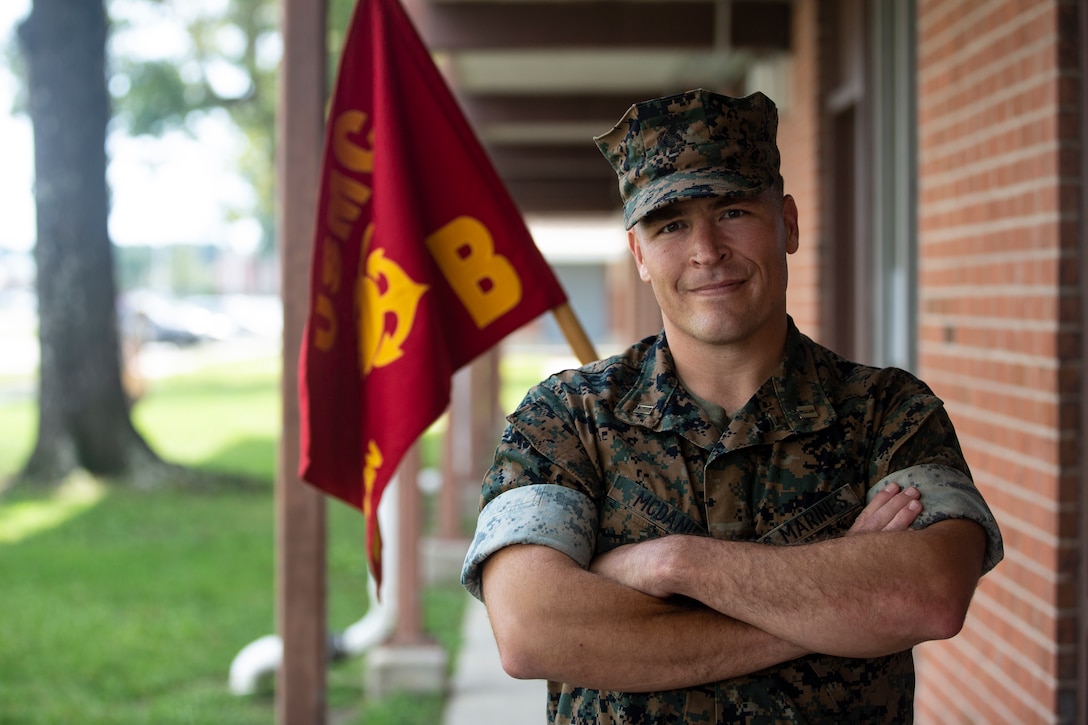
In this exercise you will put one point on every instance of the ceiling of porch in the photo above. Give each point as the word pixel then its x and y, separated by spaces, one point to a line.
pixel 539 78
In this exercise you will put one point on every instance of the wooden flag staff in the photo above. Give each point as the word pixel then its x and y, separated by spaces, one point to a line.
pixel 574 333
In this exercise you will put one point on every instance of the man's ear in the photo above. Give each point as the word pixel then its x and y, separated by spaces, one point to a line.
pixel 636 252
pixel 789 219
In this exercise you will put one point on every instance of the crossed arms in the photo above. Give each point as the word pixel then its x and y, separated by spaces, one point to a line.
pixel 680 611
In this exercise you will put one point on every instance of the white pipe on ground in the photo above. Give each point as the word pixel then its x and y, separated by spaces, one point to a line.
pixel 260 659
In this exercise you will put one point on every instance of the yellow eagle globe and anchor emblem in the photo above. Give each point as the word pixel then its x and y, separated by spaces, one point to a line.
pixel 383 292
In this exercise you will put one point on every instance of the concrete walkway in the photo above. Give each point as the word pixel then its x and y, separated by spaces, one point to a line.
pixel 480 692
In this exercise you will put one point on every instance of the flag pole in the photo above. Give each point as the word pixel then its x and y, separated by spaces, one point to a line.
pixel 574 332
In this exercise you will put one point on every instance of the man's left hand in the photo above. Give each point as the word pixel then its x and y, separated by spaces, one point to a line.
pixel 892 509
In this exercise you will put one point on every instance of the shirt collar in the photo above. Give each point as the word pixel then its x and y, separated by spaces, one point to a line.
pixel 792 400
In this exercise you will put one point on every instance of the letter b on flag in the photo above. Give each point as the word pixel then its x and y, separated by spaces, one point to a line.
pixel 486 283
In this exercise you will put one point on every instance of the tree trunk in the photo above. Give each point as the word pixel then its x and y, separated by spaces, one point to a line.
pixel 84 418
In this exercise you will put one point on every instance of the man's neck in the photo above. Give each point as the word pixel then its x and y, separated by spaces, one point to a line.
pixel 728 375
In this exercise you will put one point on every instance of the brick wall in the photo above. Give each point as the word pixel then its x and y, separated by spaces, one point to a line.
pixel 798 140
pixel 999 326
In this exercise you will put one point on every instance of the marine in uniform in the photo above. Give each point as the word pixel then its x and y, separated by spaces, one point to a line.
pixel 622 452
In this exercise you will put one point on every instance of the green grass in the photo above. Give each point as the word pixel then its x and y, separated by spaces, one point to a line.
pixel 238 404
pixel 120 606
pixel 18 425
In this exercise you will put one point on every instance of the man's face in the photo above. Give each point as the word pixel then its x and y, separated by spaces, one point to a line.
pixel 717 266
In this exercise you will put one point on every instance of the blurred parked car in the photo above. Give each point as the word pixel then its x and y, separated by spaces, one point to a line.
pixel 146 316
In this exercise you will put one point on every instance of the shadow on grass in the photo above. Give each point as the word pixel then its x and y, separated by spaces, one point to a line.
pixel 243 465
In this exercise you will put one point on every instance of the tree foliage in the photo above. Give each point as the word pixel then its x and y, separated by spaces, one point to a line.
pixel 222 59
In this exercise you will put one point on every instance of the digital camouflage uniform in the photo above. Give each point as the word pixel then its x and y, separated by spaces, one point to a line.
pixel 619 452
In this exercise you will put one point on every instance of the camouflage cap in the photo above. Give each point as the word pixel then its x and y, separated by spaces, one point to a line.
pixel 693 144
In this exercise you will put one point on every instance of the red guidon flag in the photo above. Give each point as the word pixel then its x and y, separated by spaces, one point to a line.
pixel 421 262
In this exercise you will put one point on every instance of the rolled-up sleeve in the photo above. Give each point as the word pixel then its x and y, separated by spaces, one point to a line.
pixel 948 493
pixel 546 514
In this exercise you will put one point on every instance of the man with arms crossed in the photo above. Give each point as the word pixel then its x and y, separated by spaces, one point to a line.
pixel 727 523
